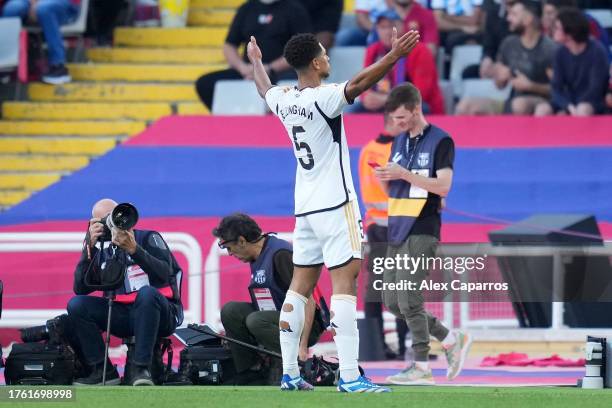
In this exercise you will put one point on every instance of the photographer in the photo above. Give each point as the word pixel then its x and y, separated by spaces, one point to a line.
pixel 147 301
pixel 257 322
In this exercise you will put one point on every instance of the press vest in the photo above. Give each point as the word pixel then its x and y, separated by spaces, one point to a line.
pixel 170 289
pixel 405 200
pixel 372 194
pixel 266 294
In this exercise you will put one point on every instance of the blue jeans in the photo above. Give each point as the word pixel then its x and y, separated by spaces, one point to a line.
pixel 50 14
pixel 150 317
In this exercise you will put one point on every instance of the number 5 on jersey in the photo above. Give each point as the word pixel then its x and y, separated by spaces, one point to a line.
pixel 302 146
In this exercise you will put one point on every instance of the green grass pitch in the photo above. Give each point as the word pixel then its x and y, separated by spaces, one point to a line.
pixel 325 397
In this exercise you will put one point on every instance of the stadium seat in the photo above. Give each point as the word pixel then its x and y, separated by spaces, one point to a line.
pixel 237 97
pixel 463 56
pixel 603 16
pixel 449 97
pixel 484 88
pixel 12 162
pixel 9 46
pixel 345 62
pixel 58 145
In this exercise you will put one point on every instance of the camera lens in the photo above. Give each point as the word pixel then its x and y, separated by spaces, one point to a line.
pixel 124 216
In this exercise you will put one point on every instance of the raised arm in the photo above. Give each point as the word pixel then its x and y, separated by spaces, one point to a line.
pixel 262 80
pixel 369 76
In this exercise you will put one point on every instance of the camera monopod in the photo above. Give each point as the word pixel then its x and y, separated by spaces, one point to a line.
pixel 206 330
pixel 111 298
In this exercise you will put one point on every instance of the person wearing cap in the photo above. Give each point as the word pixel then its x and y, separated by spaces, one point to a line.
pixel 418 67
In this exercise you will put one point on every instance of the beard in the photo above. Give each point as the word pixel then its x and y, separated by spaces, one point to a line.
pixel 325 75
pixel 519 29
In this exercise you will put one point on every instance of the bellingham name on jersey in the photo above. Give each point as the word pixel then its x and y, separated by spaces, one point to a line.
pixel 294 110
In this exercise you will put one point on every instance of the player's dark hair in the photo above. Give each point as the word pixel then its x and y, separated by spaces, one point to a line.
pixel 301 49
pixel 532 6
pixel 560 3
pixel 237 225
pixel 406 95
pixel 574 23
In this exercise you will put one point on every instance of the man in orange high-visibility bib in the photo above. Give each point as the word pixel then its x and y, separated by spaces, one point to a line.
pixel 375 201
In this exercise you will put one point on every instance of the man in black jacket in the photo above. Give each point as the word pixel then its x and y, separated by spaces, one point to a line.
pixel 147 305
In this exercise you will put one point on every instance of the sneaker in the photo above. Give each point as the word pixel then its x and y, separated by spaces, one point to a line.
pixel 294 384
pixel 456 354
pixel 413 375
pixel 95 377
pixel 361 384
pixel 141 376
pixel 57 75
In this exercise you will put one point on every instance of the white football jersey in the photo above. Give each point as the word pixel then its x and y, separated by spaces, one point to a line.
pixel 313 120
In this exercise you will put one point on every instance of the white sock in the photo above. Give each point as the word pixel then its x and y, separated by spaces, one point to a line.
pixel 291 323
pixel 423 365
pixel 344 328
pixel 449 340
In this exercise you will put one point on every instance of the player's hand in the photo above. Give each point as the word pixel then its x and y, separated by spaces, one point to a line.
pixel 400 47
pixel 253 51
pixel 392 171
pixel 96 229
pixel 124 240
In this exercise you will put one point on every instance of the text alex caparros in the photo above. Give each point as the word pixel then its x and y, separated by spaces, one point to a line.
pixel 459 265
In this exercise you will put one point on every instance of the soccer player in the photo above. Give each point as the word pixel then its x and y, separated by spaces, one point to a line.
pixel 328 228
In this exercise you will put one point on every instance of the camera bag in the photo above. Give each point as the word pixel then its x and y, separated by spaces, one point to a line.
pixel 207 364
pixel 39 364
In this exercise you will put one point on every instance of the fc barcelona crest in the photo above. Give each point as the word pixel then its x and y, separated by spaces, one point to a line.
pixel 423 159
pixel 260 277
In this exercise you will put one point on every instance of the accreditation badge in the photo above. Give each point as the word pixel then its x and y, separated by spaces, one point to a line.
pixel 135 278
pixel 263 298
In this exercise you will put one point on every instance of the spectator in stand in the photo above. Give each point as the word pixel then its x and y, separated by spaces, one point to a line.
pixel 459 21
pixel 550 10
pixel 524 61
pixel 580 69
pixel 496 29
pixel 273 22
pixel 419 67
pixel 325 17
pixel 49 14
pixel 418 18
pixel 358 35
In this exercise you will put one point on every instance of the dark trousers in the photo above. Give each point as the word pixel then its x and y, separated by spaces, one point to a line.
pixel 205 85
pixel 243 322
pixel 410 304
pixel 373 306
pixel 150 317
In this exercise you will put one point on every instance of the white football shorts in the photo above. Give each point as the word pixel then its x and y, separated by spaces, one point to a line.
pixel 331 237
